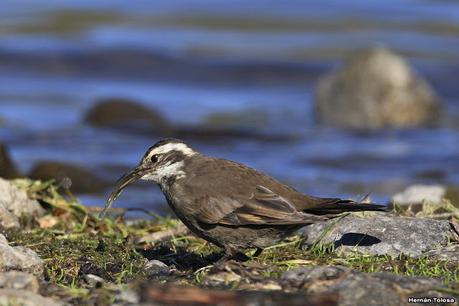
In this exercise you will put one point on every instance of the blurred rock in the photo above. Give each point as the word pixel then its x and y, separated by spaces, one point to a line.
pixel 380 234
pixel 7 168
pixel 82 179
pixel 15 203
pixel 19 258
pixel 133 117
pixel 123 113
pixel 356 288
pixel 19 280
pixel 25 298
pixel 8 219
pixel 375 89
pixel 416 195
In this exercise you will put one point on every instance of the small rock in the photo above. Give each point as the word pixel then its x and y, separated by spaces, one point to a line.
pixel 15 203
pixel 221 278
pixel 19 280
pixel 19 258
pixel 25 298
pixel 155 267
pixel 298 277
pixel 7 168
pixel 123 113
pixel 82 179
pixel 381 234
pixel 93 280
pixel 375 89
pixel 416 195
pixel 357 288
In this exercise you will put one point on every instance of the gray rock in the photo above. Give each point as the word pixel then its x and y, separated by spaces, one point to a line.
pixel 357 288
pixel 155 267
pixel 17 203
pixel 25 298
pixel 19 258
pixel 375 89
pixel 19 280
pixel 380 234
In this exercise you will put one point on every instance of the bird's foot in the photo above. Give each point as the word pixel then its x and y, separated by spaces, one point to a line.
pixel 231 254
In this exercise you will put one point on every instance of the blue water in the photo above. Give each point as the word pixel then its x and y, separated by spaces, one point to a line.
pixel 49 79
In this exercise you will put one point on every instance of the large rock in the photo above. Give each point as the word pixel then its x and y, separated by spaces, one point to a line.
pixel 124 113
pixel 19 258
pixel 7 167
pixel 15 203
pixel 357 288
pixel 375 89
pixel 82 180
pixel 381 234
pixel 25 298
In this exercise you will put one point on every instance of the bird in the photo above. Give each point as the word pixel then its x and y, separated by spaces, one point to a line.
pixel 227 203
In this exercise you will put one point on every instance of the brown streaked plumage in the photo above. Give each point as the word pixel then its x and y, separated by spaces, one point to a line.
pixel 227 203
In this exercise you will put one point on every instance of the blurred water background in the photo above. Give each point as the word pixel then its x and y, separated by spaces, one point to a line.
pixel 243 65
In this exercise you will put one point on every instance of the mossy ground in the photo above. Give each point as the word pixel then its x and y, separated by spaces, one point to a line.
pixel 74 242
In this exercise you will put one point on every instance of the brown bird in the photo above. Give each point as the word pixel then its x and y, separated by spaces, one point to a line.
pixel 227 203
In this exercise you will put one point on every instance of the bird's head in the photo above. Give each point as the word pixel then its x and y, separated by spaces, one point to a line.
pixel 164 160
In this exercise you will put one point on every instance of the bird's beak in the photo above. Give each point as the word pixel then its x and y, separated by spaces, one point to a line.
pixel 122 183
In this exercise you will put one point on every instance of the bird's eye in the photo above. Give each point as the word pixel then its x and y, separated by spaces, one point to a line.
pixel 154 158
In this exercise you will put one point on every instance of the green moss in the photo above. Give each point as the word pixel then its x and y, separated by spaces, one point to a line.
pixel 68 257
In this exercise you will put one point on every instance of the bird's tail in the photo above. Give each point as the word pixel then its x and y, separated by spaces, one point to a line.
pixel 336 207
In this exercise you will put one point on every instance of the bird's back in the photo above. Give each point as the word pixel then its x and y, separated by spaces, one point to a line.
pixel 231 179
pixel 224 178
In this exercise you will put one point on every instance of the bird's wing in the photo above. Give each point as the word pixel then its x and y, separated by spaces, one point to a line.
pixel 263 207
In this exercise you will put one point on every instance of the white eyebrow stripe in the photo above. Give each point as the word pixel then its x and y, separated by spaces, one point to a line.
pixel 180 147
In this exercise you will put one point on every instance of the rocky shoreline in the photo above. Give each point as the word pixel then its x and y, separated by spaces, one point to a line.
pixel 55 251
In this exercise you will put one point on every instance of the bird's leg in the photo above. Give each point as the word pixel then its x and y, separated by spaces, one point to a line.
pixel 231 253
pixel 227 256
